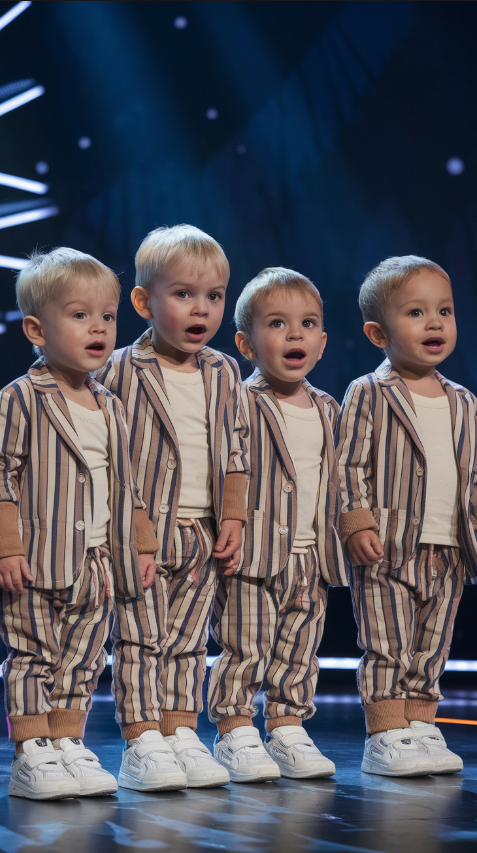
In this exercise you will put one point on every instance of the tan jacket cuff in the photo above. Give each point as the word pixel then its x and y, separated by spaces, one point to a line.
pixel 233 504
pixel 11 544
pixel 355 520
pixel 145 536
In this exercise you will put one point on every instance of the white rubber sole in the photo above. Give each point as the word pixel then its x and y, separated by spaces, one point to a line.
pixel 263 776
pixel 17 790
pixel 424 769
pixel 306 774
pixel 173 782
pixel 104 791
pixel 218 782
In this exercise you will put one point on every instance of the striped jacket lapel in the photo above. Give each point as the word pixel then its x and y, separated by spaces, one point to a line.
pixel 56 407
pixel 397 394
pixel 270 408
pixel 143 357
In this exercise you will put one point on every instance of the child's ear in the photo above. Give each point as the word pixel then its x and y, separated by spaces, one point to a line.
pixel 140 300
pixel 33 331
pixel 376 334
pixel 324 338
pixel 244 346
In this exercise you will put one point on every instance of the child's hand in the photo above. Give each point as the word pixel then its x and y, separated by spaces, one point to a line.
pixel 228 546
pixel 364 548
pixel 14 571
pixel 147 569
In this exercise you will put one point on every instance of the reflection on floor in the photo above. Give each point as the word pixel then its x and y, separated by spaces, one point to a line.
pixel 351 812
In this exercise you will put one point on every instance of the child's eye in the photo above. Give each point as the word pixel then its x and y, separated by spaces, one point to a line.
pixel 215 297
pixel 415 312
pixel 445 312
pixel 108 318
pixel 80 315
pixel 276 324
pixel 308 324
pixel 182 294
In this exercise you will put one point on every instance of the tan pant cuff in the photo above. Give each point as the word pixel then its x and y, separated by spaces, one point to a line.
pixel 275 722
pixel 28 726
pixel 228 723
pixel 65 722
pixel 388 714
pixel 134 730
pixel 172 719
pixel 420 709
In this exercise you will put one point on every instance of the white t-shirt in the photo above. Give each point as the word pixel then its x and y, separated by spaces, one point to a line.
pixel 186 394
pixel 305 441
pixel 93 434
pixel 434 428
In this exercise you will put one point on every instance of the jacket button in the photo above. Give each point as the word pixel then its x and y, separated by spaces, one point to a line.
pixel 81 478
pixel 283 530
pixel 164 508
pixel 288 487
pixel 419 471
pixel 415 521
pixel 171 463
pixel 80 525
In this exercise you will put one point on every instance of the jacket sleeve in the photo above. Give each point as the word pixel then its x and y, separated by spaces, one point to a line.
pixel 354 458
pixel 473 482
pixel 14 447
pixel 238 462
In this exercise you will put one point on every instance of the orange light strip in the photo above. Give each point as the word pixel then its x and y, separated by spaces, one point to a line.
pixel 463 722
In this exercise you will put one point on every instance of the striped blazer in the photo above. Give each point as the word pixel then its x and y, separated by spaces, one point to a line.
pixel 43 472
pixel 272 489
pixel 135 376
pixel 382 465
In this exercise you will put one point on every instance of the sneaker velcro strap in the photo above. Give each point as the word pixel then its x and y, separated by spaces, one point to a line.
pixel 148 748
pixel 393 735
pixel 76 754
pixel 182 745
pixel 294 737
pixel 245 740
pixel 47 757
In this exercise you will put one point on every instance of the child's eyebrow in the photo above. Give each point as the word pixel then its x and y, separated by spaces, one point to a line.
pixel 285 314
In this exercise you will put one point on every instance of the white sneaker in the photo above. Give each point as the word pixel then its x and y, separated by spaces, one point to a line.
pixel 430 737
pixel 296 754
pixel 200 767
pixel 242 752
pixel 395 752
pixel 39 774
pixel 84 765
pixel 149 764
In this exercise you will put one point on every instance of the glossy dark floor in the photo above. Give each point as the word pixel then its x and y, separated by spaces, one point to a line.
pixel 350 812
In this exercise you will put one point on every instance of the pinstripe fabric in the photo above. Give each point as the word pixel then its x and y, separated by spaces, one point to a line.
pixel 43 471
pixel 382 465
pixel 272 501
pixel 55 640
pixel 405 624
pixel 270 630
pixel 135 376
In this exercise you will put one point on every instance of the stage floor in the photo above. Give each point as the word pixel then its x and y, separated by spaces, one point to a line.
pixel 350 812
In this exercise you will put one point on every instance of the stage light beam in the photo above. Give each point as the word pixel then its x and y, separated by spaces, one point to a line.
pixel 23 184
pixel 13 13
pixel 12 263
pixel 19 100
pixel 28 216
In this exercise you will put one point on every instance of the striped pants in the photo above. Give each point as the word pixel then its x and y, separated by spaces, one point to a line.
pixel 270 630
pixel 55 641
pixel 160 646
pixel 405 622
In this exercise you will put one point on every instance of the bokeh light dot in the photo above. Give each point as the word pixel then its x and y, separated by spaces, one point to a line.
pixel 180 22
pixel 84 142
pixel 42 168
pixel 455 166
pixel 212 113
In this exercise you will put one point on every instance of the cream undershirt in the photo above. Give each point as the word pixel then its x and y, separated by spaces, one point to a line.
pixel 305 441
pixel 93 434
pixel 186 394
pixel 434 428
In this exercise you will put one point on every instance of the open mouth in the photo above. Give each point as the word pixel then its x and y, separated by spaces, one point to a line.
pixel 434 344
pixel 295 356
pixel 195 331
pixel 96 348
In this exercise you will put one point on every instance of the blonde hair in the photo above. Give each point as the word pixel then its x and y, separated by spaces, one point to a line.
pixel 387 277
pixel 266 283
pixel 165 246
pixel 47 273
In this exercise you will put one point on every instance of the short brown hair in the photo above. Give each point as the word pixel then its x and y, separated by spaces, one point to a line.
pixel 387 277
pixel 267 282
pixel 165 246
pixel 46 273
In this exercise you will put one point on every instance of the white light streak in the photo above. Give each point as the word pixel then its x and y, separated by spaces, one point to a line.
pixel 23 184
pixel 12 263
pixel 13 13
pixel 28 216
pixel 23 98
